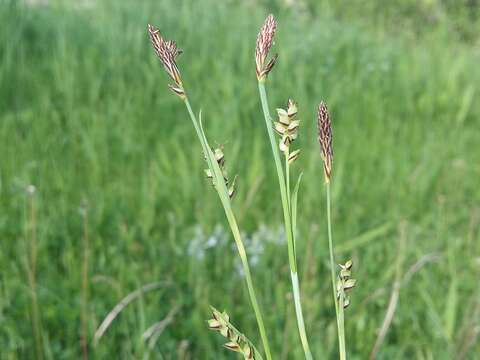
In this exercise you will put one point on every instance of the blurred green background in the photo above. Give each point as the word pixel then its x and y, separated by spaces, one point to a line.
pixel 87 119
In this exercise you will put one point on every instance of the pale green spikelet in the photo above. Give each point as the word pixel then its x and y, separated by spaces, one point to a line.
pixel 345 283
pixel 287 128
pixel 237 342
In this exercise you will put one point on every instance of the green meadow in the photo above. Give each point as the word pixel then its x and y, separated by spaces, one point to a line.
pixel 103 191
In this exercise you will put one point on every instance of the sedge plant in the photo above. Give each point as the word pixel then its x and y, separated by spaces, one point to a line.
pixel 286 127
pixel 167 51
pixel 342 282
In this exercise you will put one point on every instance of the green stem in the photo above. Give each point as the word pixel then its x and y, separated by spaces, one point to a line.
pixel 287 175
pixel 223 194
pixel 341 327
pixel 196 126
pixel 338 307
pixel 298 312
pixel 281 178
pixel 287 216
pixel 248 278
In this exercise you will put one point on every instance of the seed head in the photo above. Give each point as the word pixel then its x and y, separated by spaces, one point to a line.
pixel 220 158
pixel 325 139
pixel 264 43
pixel 287 127
pixel 237 342
pixel 345 283
pixel 167 51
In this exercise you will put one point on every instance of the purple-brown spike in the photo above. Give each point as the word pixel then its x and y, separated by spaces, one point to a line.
pixel 167 52
pixel 325 139
pixel 264 43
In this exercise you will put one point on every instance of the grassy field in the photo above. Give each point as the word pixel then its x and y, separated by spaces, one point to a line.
pixel 87 119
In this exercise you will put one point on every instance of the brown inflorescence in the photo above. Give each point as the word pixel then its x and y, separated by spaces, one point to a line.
pixel 264 43
pixel 167 51
pixel 325 139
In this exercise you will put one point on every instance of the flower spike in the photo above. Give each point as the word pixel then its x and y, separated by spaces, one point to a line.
pixel 325 139
pixel 264 43
pixel 287 128
pixel 237 342
pixel 167 51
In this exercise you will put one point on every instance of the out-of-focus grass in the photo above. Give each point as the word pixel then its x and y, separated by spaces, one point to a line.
pixel 85 115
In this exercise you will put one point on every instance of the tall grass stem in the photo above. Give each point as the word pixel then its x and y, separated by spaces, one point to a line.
pixel 338 302
pixel 287 215
pixel 223 193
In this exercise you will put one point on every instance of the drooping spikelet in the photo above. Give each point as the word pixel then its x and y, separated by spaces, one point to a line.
pixel 237 342
pixel 325 139
pixel 264 43
pixel 167 51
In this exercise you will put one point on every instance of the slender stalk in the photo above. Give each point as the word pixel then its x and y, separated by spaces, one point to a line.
pixel 287 215
pixel 248 278
pixel 281 178
pixel 341 327
pixel 195 125
pixel 338 304
pixel 223 194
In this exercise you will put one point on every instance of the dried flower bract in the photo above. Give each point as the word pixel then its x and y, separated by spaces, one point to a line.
pixel 325 139
pixel 264 43
pixel 345 283
pixel 220 158
pixel 167 51
pixel 237 342
pixel 287 127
